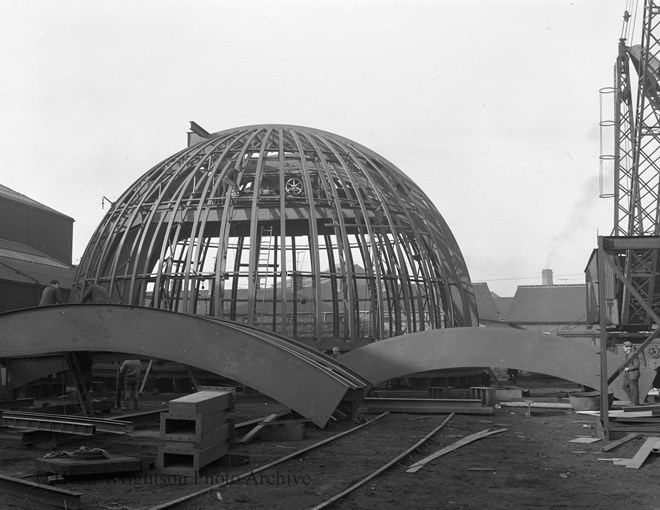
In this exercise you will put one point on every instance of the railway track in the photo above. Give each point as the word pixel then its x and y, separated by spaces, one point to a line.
pixel 334 476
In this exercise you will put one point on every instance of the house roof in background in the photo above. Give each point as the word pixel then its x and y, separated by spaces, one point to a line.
pixel 503 305
pixel 549 304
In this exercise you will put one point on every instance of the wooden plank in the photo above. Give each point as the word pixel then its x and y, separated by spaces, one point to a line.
pixel 462 442
pixel 639 458
pixel 625 420
pixel 146 376
pixel 253 433
pixel 623 414
pixel 632 409
pixel 585 440
pixel 644 428
pixel 619 442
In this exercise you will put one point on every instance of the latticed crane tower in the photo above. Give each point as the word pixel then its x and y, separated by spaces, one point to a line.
pixel 637 168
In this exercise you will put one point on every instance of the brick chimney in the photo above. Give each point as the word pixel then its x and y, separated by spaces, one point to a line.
pixel 546 277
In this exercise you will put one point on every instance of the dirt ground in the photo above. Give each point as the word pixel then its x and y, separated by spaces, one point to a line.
pixel 532 464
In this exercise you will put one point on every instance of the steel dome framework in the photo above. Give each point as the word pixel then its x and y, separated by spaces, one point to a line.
pixel 321 240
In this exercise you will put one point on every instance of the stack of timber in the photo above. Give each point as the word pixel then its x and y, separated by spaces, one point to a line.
pixel 644 418
pixel 196 431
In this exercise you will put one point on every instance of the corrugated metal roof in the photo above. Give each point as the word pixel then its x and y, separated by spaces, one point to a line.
pixel 10 194
pixel 22 263
pixel 549 304
pixel 28 257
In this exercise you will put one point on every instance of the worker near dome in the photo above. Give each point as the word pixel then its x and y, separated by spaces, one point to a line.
pixel 95 293
pixel 631 373
pixel 230 180
pixel 51 294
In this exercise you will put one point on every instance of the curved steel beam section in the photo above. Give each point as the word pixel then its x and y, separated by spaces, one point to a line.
pixel 276 368
pixel 486 347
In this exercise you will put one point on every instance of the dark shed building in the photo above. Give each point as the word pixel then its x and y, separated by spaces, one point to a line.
pixel 35 248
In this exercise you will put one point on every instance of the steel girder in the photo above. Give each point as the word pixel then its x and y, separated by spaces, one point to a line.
pixel 308 382
pixel 485 347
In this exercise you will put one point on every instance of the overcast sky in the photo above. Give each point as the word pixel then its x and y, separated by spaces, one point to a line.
pixel 491 106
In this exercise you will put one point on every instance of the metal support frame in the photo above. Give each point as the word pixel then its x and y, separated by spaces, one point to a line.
pixel 607 248
pixel 604 392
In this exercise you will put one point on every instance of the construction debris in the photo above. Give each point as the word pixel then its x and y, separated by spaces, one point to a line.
pixel 651 445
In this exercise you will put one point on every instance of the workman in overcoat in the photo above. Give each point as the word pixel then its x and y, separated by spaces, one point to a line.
pixel 631 373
